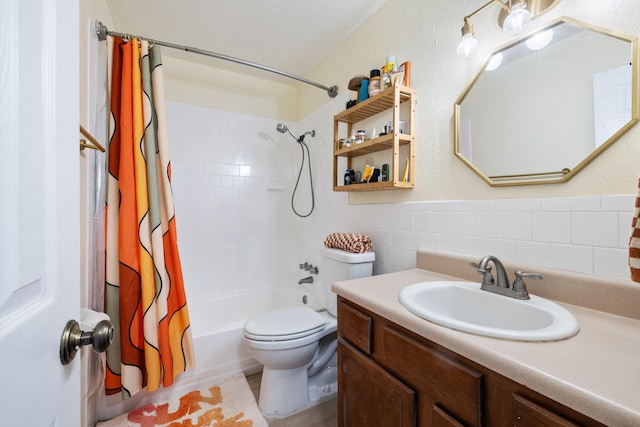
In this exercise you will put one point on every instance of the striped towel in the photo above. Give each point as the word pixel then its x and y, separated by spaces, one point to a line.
pixel 357 243
pixel 634 241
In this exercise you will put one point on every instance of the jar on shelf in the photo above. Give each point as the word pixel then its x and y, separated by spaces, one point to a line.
pixel 349 176
pixel 361 135
pixel 374 82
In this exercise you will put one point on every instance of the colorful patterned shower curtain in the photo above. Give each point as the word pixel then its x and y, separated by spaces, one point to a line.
pixel 144 294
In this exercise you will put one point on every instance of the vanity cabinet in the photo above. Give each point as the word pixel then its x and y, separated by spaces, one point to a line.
pixel 389 100
pixel 390 376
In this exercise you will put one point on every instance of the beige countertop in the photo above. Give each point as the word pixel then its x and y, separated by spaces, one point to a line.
pixel 596 372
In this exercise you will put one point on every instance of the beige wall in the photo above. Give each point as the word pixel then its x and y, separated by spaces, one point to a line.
pixel 188 80
pixel 426 33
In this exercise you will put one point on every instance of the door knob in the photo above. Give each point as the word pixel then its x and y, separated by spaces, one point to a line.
pixel 73 339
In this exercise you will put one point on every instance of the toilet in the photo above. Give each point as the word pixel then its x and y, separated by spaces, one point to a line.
pixel 297 345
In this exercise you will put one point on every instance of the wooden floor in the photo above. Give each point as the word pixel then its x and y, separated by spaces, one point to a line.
pixel 322 415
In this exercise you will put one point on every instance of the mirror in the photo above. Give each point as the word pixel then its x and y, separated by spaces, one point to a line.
pixel 544 113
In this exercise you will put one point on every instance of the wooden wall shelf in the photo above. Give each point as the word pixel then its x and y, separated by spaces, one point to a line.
pixel 388 100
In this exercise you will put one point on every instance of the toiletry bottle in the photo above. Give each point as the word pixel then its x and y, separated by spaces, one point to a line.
pixel 385 172
pixel 363 93
pixel 348 179
pixel 390 66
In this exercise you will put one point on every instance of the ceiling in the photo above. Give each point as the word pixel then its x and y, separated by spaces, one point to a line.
pixel 289 35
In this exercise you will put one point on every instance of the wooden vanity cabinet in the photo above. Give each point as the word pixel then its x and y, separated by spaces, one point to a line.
pixel 390 376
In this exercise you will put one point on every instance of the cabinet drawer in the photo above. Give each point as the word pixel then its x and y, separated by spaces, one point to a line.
pixel 356 327
pixel 453 387
pixel 529 414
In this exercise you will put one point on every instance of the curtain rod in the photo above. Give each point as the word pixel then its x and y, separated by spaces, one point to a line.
pixel 102 32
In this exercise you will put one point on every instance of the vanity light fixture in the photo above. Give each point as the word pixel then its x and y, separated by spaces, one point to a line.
pixel 515 16
pixel 518 18
pixel 540 39
pixel 494 62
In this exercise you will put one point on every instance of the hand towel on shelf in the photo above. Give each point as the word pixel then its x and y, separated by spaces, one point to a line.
pixel 350 242
pixel 634 241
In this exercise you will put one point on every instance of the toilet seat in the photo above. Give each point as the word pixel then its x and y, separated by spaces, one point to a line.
pixel 284 324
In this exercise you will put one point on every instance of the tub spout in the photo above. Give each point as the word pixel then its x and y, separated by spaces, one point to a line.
pixel 305 280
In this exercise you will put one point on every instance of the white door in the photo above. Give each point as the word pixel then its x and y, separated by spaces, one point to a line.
pixel 39 211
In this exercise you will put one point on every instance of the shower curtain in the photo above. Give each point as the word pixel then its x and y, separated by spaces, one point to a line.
pixel 144 293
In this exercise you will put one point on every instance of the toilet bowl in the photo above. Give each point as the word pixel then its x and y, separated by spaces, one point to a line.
pixel 288 355
pixel 297 345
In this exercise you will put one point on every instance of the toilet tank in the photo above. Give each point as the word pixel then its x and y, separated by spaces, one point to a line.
pixel 337 265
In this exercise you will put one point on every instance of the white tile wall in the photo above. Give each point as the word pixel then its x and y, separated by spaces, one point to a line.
pixel 221 163
pixel 583 234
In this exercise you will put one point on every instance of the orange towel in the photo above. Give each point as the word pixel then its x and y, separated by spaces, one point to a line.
pixel 357 243
pixel 634 241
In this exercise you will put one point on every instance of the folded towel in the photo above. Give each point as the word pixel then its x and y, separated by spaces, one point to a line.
pixel 357 243
pixel 634 241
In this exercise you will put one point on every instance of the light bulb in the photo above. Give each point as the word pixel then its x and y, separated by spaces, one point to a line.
pixel 494 62
pixel 517 20
pixel 540 39
pixel 467 46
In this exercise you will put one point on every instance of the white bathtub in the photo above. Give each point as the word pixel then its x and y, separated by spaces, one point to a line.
pixel 217 338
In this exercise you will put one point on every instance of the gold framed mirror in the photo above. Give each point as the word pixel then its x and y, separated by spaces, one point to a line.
pixel 548 109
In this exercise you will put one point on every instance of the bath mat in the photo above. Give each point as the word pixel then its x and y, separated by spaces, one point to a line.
pixel 228 404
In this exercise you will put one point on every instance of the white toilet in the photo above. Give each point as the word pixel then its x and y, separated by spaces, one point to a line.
pixel 297 345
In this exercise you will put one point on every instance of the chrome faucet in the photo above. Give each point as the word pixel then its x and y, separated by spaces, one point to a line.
pixel 500 285
pixel 485 269
pixel 308 279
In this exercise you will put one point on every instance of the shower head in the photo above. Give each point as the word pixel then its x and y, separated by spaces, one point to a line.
pixel 282 128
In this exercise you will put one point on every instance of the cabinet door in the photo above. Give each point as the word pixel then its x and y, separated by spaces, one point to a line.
pixel 441 418
pixel 440 381
pixel 529 414
pixel 368 395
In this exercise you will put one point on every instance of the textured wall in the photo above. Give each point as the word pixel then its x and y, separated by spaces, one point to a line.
pixel 427 33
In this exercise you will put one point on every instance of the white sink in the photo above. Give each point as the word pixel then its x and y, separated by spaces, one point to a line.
pixel 465 307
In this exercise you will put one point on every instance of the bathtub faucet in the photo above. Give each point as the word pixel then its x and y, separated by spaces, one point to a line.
pixel 305 280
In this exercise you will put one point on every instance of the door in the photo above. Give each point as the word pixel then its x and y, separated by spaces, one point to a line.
pixel 39 211
pixel 370 396
pixel 612 101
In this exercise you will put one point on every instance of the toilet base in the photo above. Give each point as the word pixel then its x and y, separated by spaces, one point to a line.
pixel 324 385
pixel 284 392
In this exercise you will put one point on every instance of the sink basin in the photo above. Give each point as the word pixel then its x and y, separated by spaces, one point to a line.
pixel 465 307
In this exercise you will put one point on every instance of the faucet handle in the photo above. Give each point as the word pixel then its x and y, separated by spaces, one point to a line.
pixel 479 270
pixel 518 283
pixel 487 278
pixel 521 274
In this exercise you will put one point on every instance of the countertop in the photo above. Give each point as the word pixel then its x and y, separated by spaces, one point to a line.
pixel 596 372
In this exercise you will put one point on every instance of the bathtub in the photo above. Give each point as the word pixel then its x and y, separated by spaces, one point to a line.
pixel 217 339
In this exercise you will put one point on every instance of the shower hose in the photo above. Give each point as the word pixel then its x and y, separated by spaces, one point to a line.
pixel 303 146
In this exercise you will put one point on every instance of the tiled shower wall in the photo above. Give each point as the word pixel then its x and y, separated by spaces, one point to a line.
pixel 221 164
pixel 581 234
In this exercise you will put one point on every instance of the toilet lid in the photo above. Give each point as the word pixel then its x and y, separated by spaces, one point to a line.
pixel 284 323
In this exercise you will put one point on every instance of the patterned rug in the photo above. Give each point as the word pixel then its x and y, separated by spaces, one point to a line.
pixel 229 404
